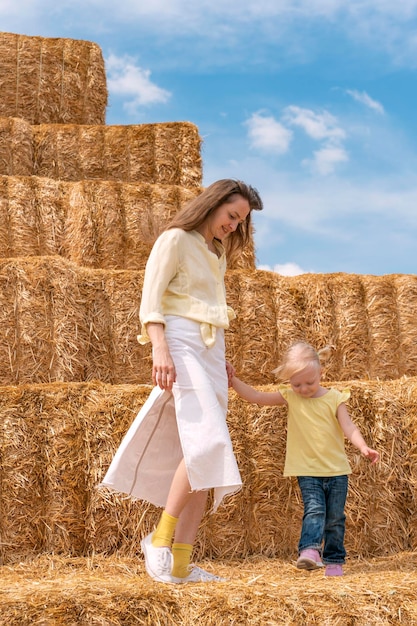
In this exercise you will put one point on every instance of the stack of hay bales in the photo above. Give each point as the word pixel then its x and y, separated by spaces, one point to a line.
pixel 80 205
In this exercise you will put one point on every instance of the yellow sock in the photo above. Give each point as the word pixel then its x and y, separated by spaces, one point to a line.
pixel 164 531
pixel 182 557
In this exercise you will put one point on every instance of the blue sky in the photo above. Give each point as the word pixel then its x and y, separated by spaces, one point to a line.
pixel 314 102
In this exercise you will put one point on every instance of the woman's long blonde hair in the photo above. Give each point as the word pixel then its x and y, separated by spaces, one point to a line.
pixel 299 356
pixel 195 212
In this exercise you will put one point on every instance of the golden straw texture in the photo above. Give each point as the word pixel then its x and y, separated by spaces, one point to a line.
pixel 52 81
pixel 166 154
pixel 258 592
pixel 58 439
pixel 62 322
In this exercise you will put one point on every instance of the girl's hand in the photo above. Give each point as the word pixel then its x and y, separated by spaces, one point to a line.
pixel 230 373
pixel 370 454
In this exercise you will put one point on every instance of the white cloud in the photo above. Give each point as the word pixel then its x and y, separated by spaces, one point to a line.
pixel 317 125
pixel 322 127
pixel 363 98
pixel 326 159
pixel 126 78
pixel 267 134
pixel 285 269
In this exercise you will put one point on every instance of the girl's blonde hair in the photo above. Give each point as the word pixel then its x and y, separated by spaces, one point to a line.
pixel 299 356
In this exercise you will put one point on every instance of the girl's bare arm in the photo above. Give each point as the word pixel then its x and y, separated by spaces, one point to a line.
pixel 250 394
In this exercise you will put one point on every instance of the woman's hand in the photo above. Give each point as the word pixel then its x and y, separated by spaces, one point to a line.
pixel 163 369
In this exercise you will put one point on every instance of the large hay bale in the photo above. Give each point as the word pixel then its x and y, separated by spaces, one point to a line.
pixel 22 523
pixel 52 81
pixel 113 225
pixel 57 442
pixel 164 153
pixel 66 323
pixel 32 217
pixel 60 325
pixel 99 224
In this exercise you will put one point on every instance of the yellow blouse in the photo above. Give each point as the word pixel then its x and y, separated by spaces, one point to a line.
pixel 183 277
pixel 315 440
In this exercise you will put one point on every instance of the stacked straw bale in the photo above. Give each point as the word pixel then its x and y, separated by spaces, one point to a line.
pixel 163 154
pixel 166 154
pixel 62 322
pixel 97 224
pixel 52 81
pixel 58 441
pixel 367 319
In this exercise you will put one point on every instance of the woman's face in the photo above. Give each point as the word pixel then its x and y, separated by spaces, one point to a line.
pixel 227 217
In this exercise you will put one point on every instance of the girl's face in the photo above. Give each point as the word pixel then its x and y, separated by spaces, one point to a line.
pixel 307 382
pixel 226 218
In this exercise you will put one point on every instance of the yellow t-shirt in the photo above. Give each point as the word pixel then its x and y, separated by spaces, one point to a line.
pixel 183 277
pixel 315 440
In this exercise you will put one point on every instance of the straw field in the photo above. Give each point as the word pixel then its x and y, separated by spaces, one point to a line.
pixel 115 591
pixel 52 81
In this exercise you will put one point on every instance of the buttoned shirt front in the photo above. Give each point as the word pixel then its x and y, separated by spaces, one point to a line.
pixel 183 277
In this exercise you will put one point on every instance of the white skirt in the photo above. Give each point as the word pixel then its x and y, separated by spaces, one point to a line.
pixel 188 423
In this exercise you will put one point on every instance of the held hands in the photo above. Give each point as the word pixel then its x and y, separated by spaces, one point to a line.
pixel 231 372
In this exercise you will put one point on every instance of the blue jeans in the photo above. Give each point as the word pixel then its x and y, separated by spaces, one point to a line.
pixel 324 516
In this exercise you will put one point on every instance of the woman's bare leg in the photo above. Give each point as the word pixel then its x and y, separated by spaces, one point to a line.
pixel 190 518
pixel 188 506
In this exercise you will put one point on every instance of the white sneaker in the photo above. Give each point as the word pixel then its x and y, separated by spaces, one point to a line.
pixel 158 561
pixel 198 575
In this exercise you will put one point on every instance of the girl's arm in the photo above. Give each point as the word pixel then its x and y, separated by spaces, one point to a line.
pixel 353 433
pixel 264 398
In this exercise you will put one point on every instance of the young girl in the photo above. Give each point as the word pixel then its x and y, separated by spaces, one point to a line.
pixel 317 422
pixel 179 447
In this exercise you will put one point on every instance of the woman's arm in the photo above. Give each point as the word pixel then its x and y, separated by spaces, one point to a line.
pixel 160 269
pixel 264 398
pixel 354 435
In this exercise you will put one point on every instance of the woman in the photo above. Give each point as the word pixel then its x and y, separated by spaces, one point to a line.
pixel 179 447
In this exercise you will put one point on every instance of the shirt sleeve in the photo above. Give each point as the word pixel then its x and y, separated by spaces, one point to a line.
pixel 343 396
pixel 284 390
pixel 161 267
